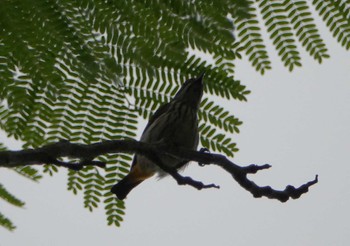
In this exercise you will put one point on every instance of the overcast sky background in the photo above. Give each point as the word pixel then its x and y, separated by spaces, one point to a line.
pixel 298 122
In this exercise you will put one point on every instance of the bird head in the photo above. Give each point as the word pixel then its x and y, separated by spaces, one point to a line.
pixel 191 92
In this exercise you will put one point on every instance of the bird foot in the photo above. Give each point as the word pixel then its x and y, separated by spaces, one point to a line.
pixel 203 150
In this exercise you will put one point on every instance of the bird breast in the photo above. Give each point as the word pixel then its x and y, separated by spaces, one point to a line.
pixel 178 126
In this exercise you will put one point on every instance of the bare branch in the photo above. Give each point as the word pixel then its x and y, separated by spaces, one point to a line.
pixel 52 153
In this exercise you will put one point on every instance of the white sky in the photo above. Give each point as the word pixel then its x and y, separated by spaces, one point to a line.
pixel 298 122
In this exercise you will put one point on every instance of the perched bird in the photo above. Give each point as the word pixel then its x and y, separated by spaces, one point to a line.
pixel 175 124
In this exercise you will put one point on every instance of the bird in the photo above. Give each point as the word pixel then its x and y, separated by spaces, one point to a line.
pixel 175 124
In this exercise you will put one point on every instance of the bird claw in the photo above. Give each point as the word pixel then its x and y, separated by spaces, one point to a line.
pixel 203 150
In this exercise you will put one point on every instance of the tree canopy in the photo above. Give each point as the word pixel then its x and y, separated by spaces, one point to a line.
pixel 89 70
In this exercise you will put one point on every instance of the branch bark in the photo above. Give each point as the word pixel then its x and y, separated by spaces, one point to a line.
pixel 52 153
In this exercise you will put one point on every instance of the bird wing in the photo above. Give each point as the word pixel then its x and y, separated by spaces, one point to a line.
pixel 162 109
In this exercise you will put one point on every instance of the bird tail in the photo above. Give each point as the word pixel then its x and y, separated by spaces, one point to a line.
pixel 124 186
pixel 129 182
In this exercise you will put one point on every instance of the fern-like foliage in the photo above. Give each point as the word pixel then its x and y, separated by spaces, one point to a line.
pixel 8 197
pixel 336 15
pixel 89 70
pixel 286 22
pixel 251 40
pixel 278 26
pixel 305 28
pixel 6 223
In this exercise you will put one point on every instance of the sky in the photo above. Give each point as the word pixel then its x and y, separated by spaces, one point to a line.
pixel 298 122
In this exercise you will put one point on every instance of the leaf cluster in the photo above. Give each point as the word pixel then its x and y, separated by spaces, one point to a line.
pixel 89 70
pixel 6 196
pixel 290 24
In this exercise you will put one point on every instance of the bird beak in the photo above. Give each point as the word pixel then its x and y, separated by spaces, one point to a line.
pixel 200 77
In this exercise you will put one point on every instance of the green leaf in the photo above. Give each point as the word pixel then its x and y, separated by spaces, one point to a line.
pixel 8 197
pixel 6 223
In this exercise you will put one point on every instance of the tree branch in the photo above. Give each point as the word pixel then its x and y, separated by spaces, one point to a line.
pixel 52 153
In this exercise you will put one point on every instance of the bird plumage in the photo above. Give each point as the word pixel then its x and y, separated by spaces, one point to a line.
pixel 174 123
